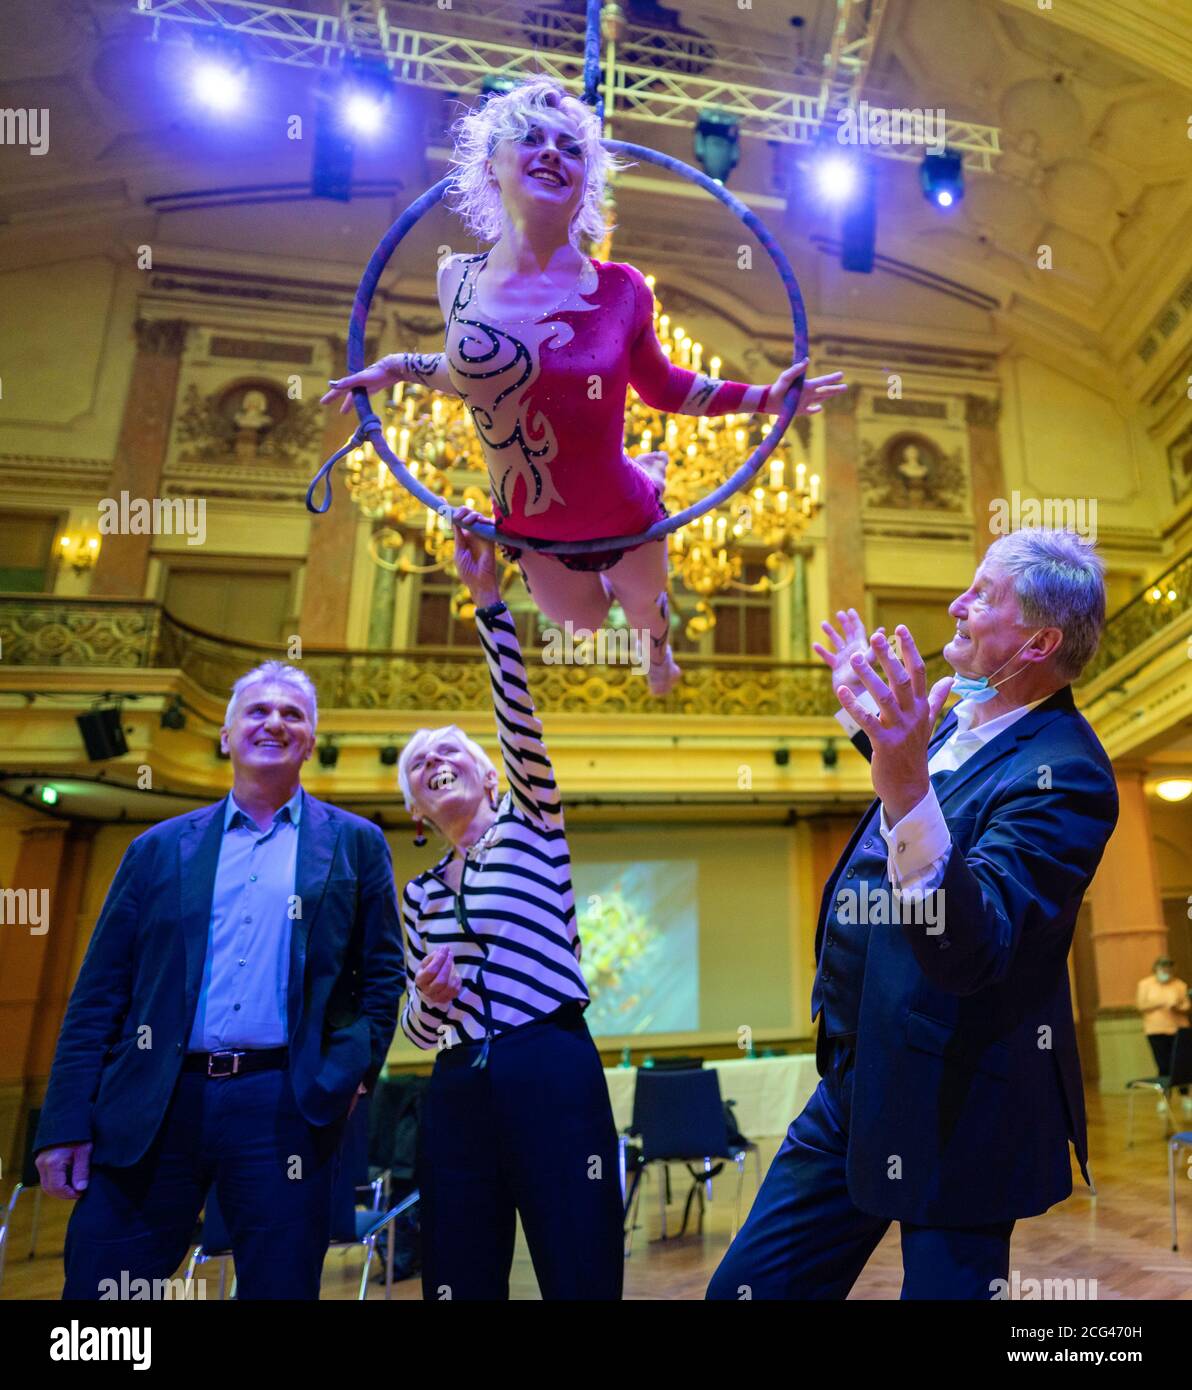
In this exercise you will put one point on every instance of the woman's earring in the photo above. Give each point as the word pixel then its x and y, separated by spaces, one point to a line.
pixel 419 833
pixel 492 797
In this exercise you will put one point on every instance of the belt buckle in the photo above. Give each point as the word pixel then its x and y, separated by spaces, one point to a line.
pixel 218 1075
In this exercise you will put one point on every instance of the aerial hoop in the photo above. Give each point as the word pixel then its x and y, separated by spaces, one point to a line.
pixel 370 426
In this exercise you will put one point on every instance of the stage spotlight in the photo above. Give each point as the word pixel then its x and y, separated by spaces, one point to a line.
pixel 172 717
pixel 716 144
pixel 942 177
pixel 364 113
pixel 364 95
pixel 328 754
pixel 828 755
pixel 836 177
pixel 220 73
pixel 496 87
pixel 389 756
pixel 49 795
pixel 782 757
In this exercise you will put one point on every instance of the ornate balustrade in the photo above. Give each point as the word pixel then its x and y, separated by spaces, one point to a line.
pixel 114 634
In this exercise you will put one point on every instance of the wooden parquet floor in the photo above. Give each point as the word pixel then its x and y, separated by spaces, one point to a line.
pixel 1121 1237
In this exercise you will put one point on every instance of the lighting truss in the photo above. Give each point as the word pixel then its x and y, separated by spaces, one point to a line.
pixel 653 75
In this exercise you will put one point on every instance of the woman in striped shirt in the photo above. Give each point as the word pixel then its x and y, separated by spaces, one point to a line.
pixel 517 1119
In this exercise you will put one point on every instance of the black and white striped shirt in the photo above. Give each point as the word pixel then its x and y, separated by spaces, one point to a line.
pixel 519 934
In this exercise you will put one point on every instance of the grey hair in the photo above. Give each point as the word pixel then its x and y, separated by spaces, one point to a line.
pixel 284 675
pixel 415 745
pixel 509 117
pixel 1059 581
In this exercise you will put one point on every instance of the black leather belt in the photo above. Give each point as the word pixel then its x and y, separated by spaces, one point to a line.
pixel 236 1063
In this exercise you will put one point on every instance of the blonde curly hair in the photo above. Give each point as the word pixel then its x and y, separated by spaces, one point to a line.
pixel 509 117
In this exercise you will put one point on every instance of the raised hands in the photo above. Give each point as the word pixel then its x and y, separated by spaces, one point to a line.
pixel 901 729
pixel 816 390
pixel 847 642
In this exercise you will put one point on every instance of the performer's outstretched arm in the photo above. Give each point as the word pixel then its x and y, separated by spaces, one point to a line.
pixel 425 368
pixel 679 390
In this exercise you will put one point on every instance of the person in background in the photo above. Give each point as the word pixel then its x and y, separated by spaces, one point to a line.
pixel 1164 1005
pixel 239 992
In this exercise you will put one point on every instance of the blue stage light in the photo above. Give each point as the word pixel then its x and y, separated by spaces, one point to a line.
pixel 835 177
pixel 364 92
pixel 942 178
pixel 364 112
pixel 220 76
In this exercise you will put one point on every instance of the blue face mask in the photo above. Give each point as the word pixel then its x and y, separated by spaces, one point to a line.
pixel 978 689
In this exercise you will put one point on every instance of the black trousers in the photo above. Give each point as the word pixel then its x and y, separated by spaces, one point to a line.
pixel 1162 1045
pixel 804 1238
pixel 528 1134
pixel 273 1174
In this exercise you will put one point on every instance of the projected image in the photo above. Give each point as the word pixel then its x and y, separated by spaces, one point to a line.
pixel 639 925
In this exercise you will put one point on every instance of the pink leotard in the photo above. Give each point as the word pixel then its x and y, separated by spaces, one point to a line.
pixel 547 398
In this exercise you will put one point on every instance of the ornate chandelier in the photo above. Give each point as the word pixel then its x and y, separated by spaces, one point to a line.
pixel 434 434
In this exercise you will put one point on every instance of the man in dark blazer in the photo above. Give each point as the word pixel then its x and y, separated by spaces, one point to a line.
pixel 950 1080
pixel 239 992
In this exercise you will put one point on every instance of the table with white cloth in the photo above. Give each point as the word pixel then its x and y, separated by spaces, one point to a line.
pixel 769 1091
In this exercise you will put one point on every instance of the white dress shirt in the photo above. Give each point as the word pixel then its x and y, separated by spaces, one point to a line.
pixel 918 845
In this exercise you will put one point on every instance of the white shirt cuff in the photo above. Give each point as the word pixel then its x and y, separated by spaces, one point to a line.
pixel 846 720
pixel 916 844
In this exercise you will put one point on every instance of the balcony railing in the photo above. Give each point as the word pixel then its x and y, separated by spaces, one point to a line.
pixel 124 634
pixel 1144 617
pixel 120 634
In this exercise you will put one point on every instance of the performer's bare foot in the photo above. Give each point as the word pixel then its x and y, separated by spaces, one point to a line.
pixel 664 675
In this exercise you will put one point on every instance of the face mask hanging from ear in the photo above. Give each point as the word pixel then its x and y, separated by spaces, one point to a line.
pixel 982 688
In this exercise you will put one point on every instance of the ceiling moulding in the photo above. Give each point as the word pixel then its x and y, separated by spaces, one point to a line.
pixel 876 353
pixel 41 476
pixel 240 287
pixel 75 200
pixel 1169 327
pixel 1155 35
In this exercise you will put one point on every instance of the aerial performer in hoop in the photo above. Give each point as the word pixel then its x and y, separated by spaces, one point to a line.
pixel 542 343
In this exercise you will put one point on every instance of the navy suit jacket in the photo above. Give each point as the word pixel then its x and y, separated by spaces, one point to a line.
pixel 967 1085
pixel 130 1014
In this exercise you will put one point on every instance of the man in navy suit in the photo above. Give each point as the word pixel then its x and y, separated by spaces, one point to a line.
pixel 239 992
pixel 950 1081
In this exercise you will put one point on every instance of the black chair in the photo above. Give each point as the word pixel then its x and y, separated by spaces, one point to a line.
pixel 1175 1146
pixel 678 1116
pixel 350 1225
pixel 214 1243
pixel 395 1117
pixel 30 1182
pixel 1180 1075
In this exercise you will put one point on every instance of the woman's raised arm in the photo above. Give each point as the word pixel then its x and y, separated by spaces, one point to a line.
pixel 519 730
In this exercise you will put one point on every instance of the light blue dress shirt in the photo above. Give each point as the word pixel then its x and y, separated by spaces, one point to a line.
pixel 242 1003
